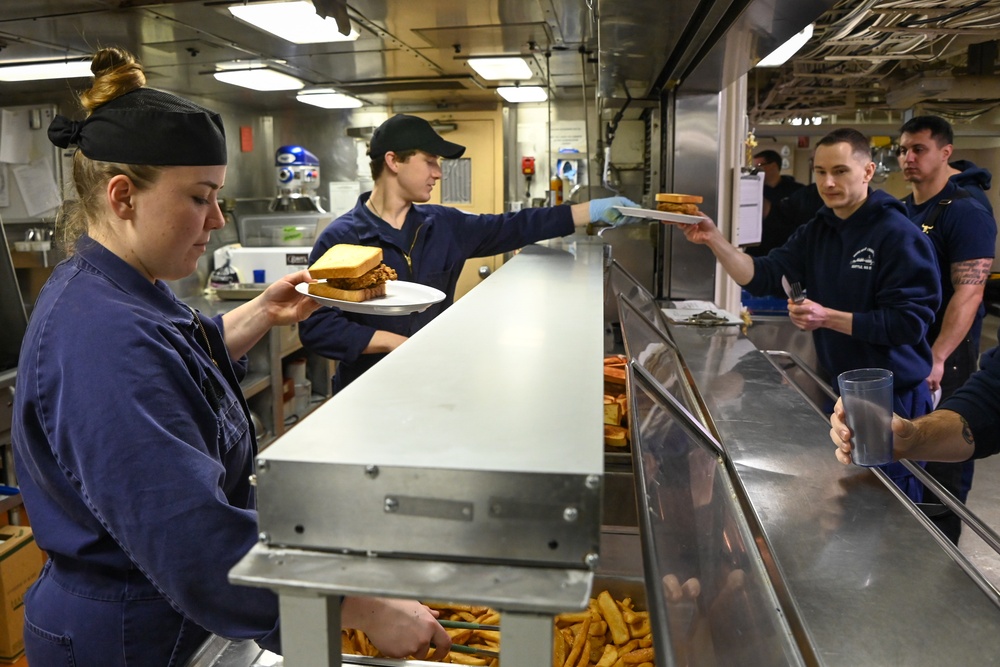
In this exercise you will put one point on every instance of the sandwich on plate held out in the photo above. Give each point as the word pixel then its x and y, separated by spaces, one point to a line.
pixel 350 273
pixel 677 203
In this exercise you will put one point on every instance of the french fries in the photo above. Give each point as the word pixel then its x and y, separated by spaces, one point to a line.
pixel 354 641
pixel 609 633
pixel 617 634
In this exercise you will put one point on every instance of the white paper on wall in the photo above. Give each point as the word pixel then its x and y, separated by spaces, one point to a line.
pixel 15 142
pixel 749 207
pixel 37 186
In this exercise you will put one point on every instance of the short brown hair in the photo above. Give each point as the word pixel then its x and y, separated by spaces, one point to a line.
pixel 378 164
pixel 847 135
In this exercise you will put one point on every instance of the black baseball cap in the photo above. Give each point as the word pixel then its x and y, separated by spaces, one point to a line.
pixel 406 133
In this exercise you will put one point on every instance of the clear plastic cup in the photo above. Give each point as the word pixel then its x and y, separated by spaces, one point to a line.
pixel 867 396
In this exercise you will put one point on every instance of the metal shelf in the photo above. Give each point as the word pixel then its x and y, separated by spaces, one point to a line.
pixel 254 383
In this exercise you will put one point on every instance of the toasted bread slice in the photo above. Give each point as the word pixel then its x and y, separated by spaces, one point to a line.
pixel 357 295
pixel 674 198
pixel 615 436
pixel 346 261
pixel 614 375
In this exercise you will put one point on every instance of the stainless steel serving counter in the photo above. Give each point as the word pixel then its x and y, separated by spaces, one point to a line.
pixel 465 467
pixel 859 575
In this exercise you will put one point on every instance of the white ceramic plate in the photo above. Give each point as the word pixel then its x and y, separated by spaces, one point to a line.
pixel 401 298
pixel 667 216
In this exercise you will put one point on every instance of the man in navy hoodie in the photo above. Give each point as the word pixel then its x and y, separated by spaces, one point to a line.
pixel 964 236
pixel 870 273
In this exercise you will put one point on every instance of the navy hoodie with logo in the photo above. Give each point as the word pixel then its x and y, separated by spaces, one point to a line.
pixel 875 264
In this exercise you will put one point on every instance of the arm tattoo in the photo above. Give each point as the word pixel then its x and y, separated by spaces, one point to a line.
pixel 971 272
pixel 967 432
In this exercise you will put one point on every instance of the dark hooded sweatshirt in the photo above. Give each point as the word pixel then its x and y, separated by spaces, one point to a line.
pixel 877 265
pixel 974 180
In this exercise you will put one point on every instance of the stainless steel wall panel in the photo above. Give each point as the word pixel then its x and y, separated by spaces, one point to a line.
pixel 689 269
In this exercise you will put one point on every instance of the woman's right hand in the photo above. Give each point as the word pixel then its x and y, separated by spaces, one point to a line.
pixel 397 628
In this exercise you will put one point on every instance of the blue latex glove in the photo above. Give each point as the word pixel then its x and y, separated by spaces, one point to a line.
pixel 603 210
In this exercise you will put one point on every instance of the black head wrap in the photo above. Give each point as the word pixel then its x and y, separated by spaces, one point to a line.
pixel 146 126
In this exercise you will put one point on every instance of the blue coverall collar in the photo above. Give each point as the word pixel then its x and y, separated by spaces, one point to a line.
pixel 95 257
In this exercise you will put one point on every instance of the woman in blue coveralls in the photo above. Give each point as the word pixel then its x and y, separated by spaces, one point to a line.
pixel 133 444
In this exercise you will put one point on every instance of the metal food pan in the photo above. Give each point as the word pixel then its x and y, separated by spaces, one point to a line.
pixel 619 587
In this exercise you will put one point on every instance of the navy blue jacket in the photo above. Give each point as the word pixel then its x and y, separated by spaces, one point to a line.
pixel 963 230
pixel 444 239
pixel 133 451
pixel 877 265
pixel 978 401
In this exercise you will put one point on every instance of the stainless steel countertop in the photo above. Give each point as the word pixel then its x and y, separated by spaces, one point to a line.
pixel 473 399
pixel 869 584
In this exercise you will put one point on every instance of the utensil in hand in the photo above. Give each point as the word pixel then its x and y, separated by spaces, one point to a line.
pixel 793 290
pixel 471 650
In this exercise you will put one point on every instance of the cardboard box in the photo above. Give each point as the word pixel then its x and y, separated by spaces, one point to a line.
pixel 20 562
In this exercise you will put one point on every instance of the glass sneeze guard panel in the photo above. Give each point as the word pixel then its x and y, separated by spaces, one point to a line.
pixel 710 598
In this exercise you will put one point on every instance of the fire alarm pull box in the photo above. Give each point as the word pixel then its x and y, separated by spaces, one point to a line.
pixel 528 166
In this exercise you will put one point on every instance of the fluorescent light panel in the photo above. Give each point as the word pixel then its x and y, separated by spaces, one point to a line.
pixel 327 98
pixel 56 69
pixel 516 94
pixel 781 54
pixel 259 78
pixel 497 69
pixel 296 22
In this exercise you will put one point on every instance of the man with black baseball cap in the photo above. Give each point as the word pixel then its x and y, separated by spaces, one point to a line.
pixel 406 133
pixel 424 243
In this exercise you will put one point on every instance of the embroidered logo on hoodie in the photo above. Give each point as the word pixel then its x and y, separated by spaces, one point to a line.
pixel 863 259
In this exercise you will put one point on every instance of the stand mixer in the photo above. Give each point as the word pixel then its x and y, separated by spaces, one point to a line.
pixel 297 175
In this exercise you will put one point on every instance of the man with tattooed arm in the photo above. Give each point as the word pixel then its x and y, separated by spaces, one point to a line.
pixel 964 234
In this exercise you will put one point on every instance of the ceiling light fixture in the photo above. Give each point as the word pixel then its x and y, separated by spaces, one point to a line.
pixel 497 69
pixel 328 98
pixel 518 94
pixel 259 77
pixel 296 22
pixel 52 69
pixel 781 54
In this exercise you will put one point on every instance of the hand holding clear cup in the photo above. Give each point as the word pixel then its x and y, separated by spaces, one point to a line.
pixel 866 400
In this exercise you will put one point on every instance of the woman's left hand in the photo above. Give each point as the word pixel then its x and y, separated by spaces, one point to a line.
pixel 284 304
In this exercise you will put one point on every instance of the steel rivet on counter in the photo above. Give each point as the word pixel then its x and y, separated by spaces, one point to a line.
pixel 262 465
pixel 391 504
pixel 591 560
pixel 263 538
pixel 371 471
pixel 570 514
pixel 593 482
pixel 253 480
